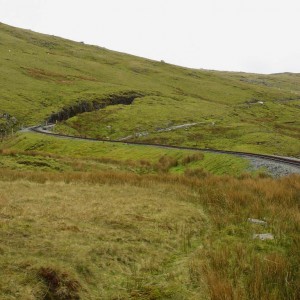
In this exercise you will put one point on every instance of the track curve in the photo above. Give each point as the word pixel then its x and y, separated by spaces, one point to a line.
pixel 286 160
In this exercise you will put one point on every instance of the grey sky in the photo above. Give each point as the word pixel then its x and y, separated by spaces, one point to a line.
pixel 260 36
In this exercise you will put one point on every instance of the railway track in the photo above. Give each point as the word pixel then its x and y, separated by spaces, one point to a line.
pixel 286 160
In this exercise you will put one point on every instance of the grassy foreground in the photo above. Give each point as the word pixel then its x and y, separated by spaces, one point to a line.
pixel 108 235
pixel 89 220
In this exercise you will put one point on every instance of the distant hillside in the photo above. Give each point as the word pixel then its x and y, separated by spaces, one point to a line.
pixel 43 75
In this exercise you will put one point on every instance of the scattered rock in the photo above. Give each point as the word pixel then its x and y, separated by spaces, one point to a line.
pixel 176 127
pixel 263 236
pixel 125 138
pixel 257 221
pixel 140 134
pixel 146 133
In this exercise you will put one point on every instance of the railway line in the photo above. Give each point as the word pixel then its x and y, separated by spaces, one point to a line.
pixel 279 159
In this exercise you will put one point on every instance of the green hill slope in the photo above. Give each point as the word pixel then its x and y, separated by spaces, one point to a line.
pixel 41 75
pixel 96 220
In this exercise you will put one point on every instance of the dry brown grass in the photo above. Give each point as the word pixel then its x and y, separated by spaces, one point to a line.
pixel 123 235
pixel 191 158
pixel 108 241
pixel 241 268
pixel 60 286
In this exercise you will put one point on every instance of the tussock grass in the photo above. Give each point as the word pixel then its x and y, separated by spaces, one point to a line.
pixel 159 236
pixel 191 158
pixel 59 285
pixel 109 241
pixel 269 270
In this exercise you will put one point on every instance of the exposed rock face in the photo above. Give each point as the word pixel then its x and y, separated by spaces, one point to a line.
pixel 87 106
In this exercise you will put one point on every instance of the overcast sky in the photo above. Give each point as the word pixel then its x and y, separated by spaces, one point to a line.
pixel 260 36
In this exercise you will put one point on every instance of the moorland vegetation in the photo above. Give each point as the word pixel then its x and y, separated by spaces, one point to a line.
pixel 97 220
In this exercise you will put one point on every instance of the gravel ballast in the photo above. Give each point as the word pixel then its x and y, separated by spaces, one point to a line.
pixel 276 169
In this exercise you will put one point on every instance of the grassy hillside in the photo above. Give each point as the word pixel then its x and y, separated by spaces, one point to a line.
pixel 97 220
pixel 34 152
pixel 41 75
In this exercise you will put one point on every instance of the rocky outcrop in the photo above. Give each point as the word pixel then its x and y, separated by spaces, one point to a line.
pixel 82 106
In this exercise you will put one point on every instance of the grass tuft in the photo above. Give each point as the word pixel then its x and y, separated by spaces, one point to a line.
pixel 59 285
